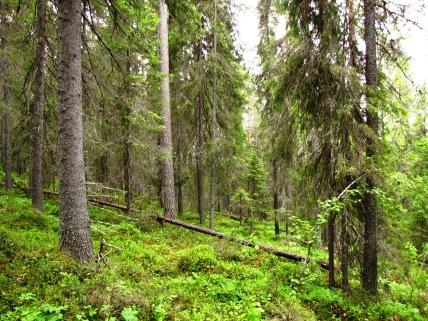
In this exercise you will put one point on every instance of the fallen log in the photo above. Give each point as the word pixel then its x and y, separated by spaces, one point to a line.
pixel 117 206
pixel 262 248
pixel 91 200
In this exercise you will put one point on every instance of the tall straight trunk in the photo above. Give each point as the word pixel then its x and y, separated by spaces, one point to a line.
pixel 218 201
pixel 370 215
pixel 356 110
pixel 200 145
pixel 180 199
pixel 179 179
pixel 353 54
pixel 127 164
pixel 102 168
pixel 127 137
pixel 19 160
pixel 331 240
pixel 344 238
pixel 7 110
pixel 351 39
pixel 212 187
pixel 331 222
pixel 249 191
pixel 227 201
pixel 213 174
pixel 75 226
pixel 159 176
pixel 37 110
pixel 212 194
pixel 286 223
pixel 285 197
pixel 275 194
pixel 166 139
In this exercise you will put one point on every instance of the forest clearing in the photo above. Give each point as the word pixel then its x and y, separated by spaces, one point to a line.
pixel 213 160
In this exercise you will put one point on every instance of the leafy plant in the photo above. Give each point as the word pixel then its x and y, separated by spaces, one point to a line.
pixel 129 314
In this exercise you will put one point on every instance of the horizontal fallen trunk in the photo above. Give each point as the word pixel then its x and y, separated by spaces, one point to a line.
pixel 91 200
pixel 262 248
pixel 117 206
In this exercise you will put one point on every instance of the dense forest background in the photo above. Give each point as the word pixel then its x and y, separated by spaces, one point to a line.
pixel 116 114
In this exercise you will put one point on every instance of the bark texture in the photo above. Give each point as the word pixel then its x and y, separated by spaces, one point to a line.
pixel 344 267
pixel 167 166
pixel 200 160
pixel 275 194
pixel 127 164
pixel 127 143
pixel 370 215
pixel 180 181
pixel 75 226
pixel 353 56
pixel 37 110
pixel 331 240
pixel 7 109
pixel 200 147
pixel 213 174
pixel 212 194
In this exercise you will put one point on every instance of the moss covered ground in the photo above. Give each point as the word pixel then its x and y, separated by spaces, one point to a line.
pixel 168 273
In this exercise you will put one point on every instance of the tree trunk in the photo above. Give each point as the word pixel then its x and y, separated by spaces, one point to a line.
pixel 331 240
pixel 158 182
pixel 212 194
pixel 213 174
pixel 353 54
pixel 226 201
pixel 127 164
pixel 369 269
pixel 241 213
pixel 370 215
pixel 127 139
pixel 286 222
pixel 178 172
pixel 275 195
pixel 75 226
pixel 218 201
pixel 37 110
pixel 200 146
pixel 345 251
pixel 20 161
pixel 102 168
pixel 166 139
pixel 180 198
pixel 6 124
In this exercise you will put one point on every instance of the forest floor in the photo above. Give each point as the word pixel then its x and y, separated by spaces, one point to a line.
pixel 149 272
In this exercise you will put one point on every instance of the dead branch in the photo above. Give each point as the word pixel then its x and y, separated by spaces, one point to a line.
pixel 262 248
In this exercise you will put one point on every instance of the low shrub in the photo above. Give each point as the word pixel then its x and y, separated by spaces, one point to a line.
pixel 198 258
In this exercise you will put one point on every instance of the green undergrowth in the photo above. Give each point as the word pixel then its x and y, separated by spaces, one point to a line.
pixel 169 273
pixel 260 232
